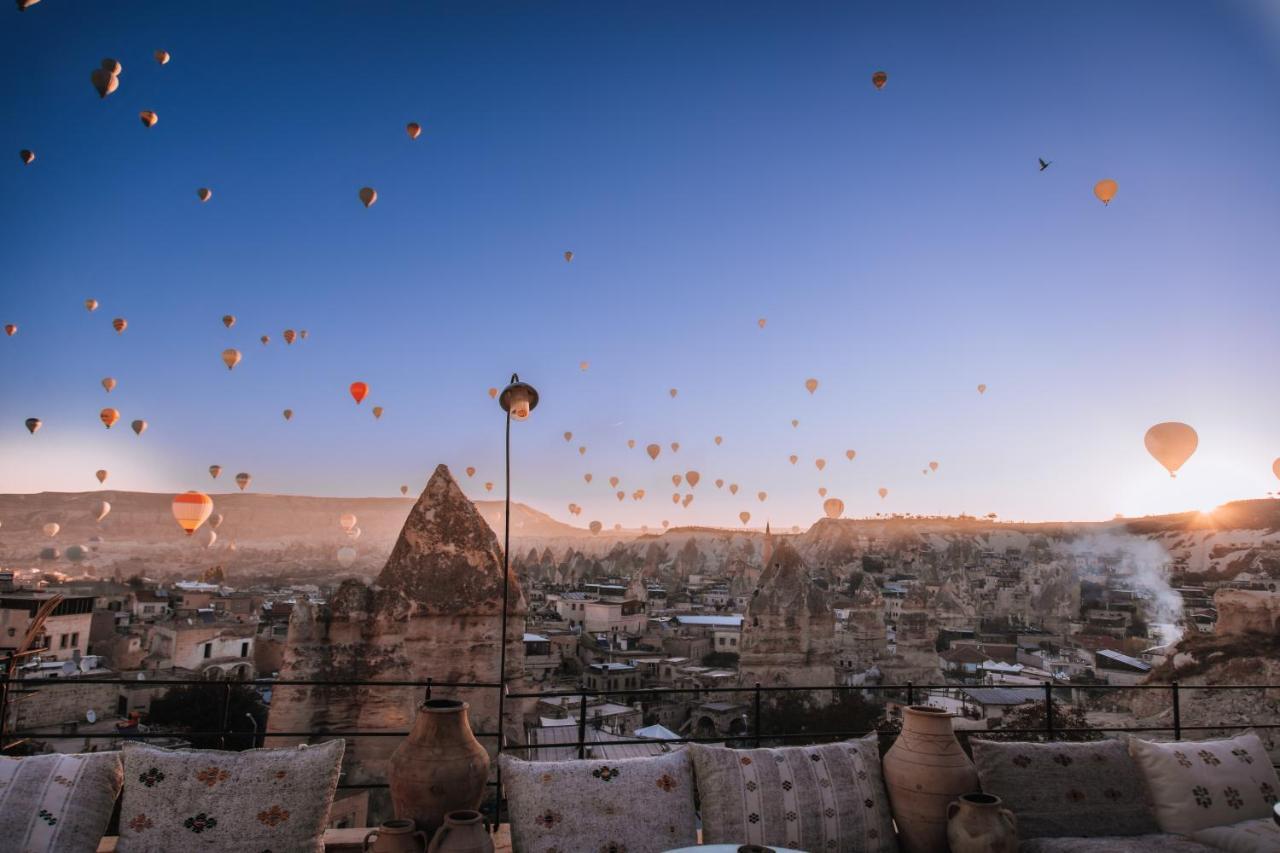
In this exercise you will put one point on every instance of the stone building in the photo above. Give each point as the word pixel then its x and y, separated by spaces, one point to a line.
pixel 788 634
pixel 434 612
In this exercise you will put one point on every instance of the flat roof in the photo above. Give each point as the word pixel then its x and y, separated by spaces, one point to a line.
pixel 733 621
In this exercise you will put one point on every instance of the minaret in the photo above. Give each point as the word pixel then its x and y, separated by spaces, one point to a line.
pixel 768 546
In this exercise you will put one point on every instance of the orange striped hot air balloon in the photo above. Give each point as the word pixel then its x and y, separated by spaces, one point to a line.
pixel 192 509
pixel 119 324
pixel 109 417
pixel 228 320
pixel 358 391
pixel 290 336
pixel 879 79
pixel 91 305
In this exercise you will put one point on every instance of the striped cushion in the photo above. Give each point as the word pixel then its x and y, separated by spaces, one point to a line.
pixel 819 798
pixel 57 802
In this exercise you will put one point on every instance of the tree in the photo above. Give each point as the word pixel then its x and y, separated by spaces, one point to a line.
pixel 800 713
pixel 720 660
pixel 199 708
pixel 1032 716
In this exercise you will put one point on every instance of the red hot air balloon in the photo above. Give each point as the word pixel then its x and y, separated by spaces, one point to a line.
pixel 358 391
pixel 879 79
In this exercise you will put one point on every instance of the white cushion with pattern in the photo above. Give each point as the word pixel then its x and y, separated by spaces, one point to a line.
pixel 57 802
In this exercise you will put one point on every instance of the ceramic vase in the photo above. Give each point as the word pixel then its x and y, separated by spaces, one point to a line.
pixel 924 771
pixel 977 823
pixel 439 768
pixel 463 832
pixel 395 836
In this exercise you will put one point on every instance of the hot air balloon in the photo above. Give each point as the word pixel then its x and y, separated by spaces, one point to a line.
pixel 613 481
pixel 822 491
pixel 620 495
pixel 665 523
pixel 675 447
pixel 100 510
pixel 586 477
pixel 24 5
pixel 204 194
pixel 488 487
pixel 10 329
pixel 793 459
pixel 879 79
pixel 162 57
pixel 493 393
pixel 719 484
pixel 266 339
pixel 933 466
pixel 673 392
pixel 290 336
pixel 242 480
pixel 51 529
pixel 1275 468
pixel 27 156
pixel 924 471
pixel 631 443
pixel 568 436
pixel 231 357
pixel 692 478
pixel 761 322
pixel 228 320
pixel 109 384
pixel 1105 190
pixel 733 488
pixel 763 496
pixel 795 423
pixel 216 521
pixel 718 439
pixel 883 492
pixel 192 509
pixel 101 474
pixel 354 533
pixel 91 305
pixel 1171 444
pixel 982 389
pixel 638 495
pixel 214 471
pixel 596 527
pixel 302 333
pixel 471 472
pixel 377 412
pixel 358 391
pixel 104 81
pixel 109 417
pixel 811 385
pixel 675 498
pixel 119 324
pixel 210 538
pixel 833 507
pixel 347 520
pixel 404 490
pixel 139 426
pixel 688 499
pixel 676 480
pixel 744 517
pixel 148 118
pixel 76 553
pixel 413 129
pixel 288 414
pixel 568 256
pixel 653 450
pixel 582 451
pixel 346 556
pixel 368 195
pixel 820 463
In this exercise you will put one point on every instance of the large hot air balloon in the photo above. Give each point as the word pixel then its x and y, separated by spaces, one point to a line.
pixel 104 81
pixel 692 478
pixel 109 384
pixel 204 194
pixel 1105 190
pixel 347 520
pixel 231 357
pixel 119 324
pixel 51 529
pixel 653 450
pixel 242 480
pixel 413 129
pixel 91 305
pixel 744 516
pixel 10 329
pixel 288 414
pixel 568 256
pixel 1275 468
pixel 1171 444
pixel 100 510
pixel 377 412
pixel 27 156
pixel 214 471
pixel 879 78
pixel 833 507
pixel 290 336
pixel 109 417
pixel 34 424
pixel 346 556
pixel 101 474
pixel 139 426
pixel 358 391
pixel 883 492
pixel 162 57
pixel 368 195
pixel 228 320
pixel 148 118
pixel 811 385
pixel 192 509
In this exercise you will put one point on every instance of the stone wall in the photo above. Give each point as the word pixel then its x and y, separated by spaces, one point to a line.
pixel 1242 611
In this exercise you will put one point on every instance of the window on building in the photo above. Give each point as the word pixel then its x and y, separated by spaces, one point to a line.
pixel 208 650
pixel 62 641
pixel 244 650
pixel 75 638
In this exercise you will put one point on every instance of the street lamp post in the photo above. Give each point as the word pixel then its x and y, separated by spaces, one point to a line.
pixel 518 399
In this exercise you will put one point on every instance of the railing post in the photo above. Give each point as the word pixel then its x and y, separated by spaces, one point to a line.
pixel 226 712
pixel 4 701
pixel 582 720
pixel 756 719
pixel 1048 710
pixel 911 694
pixel 427 697
pixel 1177 713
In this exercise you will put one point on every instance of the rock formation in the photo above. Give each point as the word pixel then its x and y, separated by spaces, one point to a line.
pixel 788 635
pixel 434 612
pixel 1241 611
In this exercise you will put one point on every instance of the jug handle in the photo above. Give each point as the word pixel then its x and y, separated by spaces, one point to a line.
pixel 1010 818
pixel 422 836
pixel 438 839
pixel 373 833
pixel 952 808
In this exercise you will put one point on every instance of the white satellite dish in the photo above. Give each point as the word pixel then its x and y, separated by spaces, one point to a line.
pixel 69 668
pixel 91 715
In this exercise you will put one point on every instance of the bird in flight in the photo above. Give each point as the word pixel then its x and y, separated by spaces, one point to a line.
pixel 1044 164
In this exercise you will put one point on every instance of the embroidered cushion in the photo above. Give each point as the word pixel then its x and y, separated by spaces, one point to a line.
pixel 259 799
pixel 825 797
pixel 1250 836
pixel 1157 843
pixel 1200 784
pixel 640 805
pixel 1067 789
pixel 57 802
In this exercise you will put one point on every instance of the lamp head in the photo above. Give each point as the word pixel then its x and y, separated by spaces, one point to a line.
pixel 518 399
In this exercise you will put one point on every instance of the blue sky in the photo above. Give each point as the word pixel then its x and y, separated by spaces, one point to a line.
pixel 708 164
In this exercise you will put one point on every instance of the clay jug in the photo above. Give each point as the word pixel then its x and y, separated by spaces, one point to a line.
pixel 976 823
pixel 440 767
pixel 463 832
pixel 924 771
pixel 395 836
